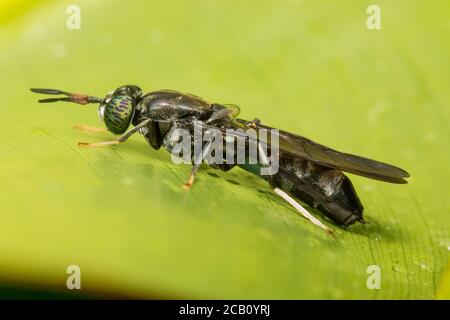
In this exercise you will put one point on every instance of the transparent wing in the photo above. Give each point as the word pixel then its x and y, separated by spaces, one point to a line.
pixel 223 111
pixel 234 110
pixel 304 148
pixel 320 154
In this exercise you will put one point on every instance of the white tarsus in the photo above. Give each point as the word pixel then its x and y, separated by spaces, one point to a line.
pixel 302 210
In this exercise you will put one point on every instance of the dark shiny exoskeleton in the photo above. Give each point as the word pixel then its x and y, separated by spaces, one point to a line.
pixel 325 188
pixel 307 171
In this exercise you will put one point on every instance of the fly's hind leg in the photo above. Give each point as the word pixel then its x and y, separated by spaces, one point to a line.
pixel 265 161
pixel 302 210
pixel 287 197
pixel 121 139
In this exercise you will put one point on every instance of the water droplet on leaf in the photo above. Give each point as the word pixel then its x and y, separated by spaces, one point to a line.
pixel 396 267
pixel 376 237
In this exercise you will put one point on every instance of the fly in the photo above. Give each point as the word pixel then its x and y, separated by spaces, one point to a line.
pixel 308 171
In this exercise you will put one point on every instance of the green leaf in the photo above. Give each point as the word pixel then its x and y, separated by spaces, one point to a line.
pixel 310 68
pixel 444 287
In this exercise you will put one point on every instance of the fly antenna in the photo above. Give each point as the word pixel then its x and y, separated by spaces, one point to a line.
pixel 70 97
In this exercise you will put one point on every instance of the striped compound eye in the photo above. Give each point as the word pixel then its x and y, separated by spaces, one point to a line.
pixel 118 113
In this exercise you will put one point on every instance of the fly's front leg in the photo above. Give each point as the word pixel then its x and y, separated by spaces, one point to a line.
pixel 121 139
pixel 89 128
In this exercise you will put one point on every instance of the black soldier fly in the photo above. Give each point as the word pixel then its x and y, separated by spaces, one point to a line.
pixel 308 171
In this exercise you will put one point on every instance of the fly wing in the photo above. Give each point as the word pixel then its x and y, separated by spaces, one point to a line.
pixel 320 154
pixel 234 110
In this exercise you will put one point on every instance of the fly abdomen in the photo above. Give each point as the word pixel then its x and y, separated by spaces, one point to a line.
pixel 327 189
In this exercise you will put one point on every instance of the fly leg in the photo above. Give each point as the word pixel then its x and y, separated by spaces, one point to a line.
pixel 191 179
pixel 253 124
pixel 121 139
pixel 89 128
pixel 198 159
pixel 302 210
pixel 224 166
pixel 287 197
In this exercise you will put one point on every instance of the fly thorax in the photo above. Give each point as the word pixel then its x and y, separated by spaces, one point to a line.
pixel 173 137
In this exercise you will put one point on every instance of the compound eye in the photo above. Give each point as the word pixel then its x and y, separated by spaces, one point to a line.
pixel 128 90
pixel 101 111
pixel 118 113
